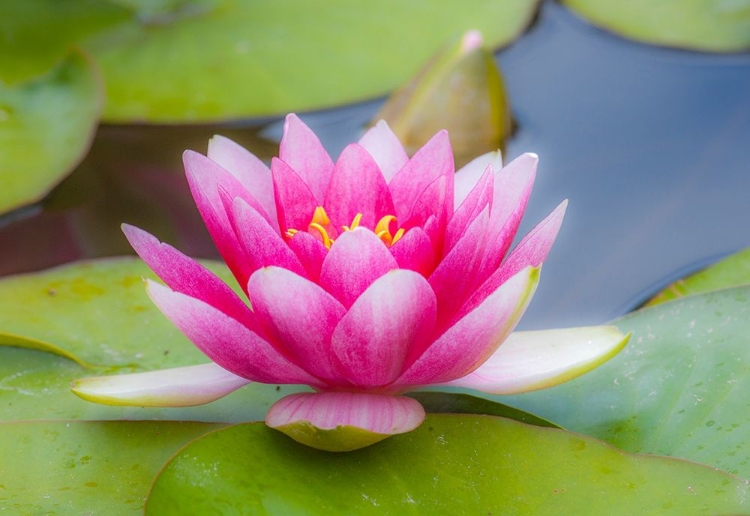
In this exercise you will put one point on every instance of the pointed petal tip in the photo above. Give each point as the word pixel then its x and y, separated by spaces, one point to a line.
pixel 471 40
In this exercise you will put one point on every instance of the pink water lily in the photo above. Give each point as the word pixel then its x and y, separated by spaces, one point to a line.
pixel 366 278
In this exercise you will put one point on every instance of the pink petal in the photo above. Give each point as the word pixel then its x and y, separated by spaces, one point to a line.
pixel 372 340
pixel 179 387
pixel 384 146
pixel 479 198
pixel 301 149
pixel 357 186
pixel 250 171
pixel 414 251
pixel 327 411
pixel 300 315
pixel 356 259
pixel 262 244
pixel 295 202
pixel 187 276
pixel 473 339
pixel 468 176
pixel 533 360
pixel 225 341
pixel 429 211
pixel 433 160
pixel 310 251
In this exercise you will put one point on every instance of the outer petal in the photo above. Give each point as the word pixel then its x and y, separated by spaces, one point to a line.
pixel 385 148
pixel 356 259
pixel 533 360
pixel 372 340
pixel 344 421
pixel 250 171
pixel 357 186
pixel 473 339
pixel 478 199
pixel 179 387
pixel 300 315
pixel 414 252
pixel 295 202
pixel 301 149
pixel 225 341
pixel 468 176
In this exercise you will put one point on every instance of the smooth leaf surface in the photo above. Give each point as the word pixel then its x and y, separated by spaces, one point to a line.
pixel 732 271
pixel 232 59
pixel 46 126
pixel 92 468
pixel 452 464
pixel 717 26
pixel 679 388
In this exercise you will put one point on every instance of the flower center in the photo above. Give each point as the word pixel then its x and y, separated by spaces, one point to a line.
pixel 320 226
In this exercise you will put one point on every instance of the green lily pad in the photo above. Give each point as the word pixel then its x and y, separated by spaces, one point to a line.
pixel 452 464
pixel 46 126
pixel 230 59
pixel 711 25
pixel 732 271
pixel 93 468
pixel 679 388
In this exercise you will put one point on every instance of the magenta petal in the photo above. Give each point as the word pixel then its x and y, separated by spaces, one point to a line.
pixel 372 340
pixel 384 146
pixel 300 315
pixel 357 186
pixel 301 149
pixel 479 198
pixel 356 259
pixel 263 245
pixel 473 339
pixel 310 251
pixel 414 251
pixel 187 276
pixel 468 176
pixel 226 341
pixel 295 202
pixel 250 171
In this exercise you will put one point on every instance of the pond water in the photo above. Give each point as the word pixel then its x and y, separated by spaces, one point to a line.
pixel 651 146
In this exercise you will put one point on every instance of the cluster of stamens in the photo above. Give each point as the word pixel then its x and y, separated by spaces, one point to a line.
pixel 321 226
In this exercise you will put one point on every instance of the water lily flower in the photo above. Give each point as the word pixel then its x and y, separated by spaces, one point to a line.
pixel 366 278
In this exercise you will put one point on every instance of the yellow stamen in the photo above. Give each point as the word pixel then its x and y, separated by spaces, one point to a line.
pixel 355 223
pixel 384 224
pixel 397 236
pixel 323 233
pixel 320 217
pixel 291 232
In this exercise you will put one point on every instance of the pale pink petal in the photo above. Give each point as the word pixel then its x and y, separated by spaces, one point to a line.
pixel 250 171
pixel 467 177
pixel 295 203
pixel 479 198
pixel 432 161
pixel 187 276
pixel 473 339
pixel 263 245
pixel 357 187
pixel 310 251
pixel 226 341
pixel 533 360
pixel 356 259
pixel 414 251
pixel 377 414
pixel 300 315
pixel 372 340
pixel 385 148
pixel 179 387
pixel 301 149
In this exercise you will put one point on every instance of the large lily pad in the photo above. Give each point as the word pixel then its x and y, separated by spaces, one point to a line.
pixel 452 464
pixel 92 468
pixel 712 25
pixel 679 388
pixel 46 126
pixel 228 59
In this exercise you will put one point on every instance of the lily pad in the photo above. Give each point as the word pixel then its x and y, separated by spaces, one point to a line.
pixel 679 388
pixel 95 468
pixel 230 59
pixel 732 271
pixel 46 126
pixel 711 25
pixel 452 464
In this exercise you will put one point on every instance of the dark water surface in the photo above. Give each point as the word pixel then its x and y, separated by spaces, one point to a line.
pixel 651 146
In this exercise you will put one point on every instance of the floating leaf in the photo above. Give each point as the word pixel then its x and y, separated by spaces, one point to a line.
pixel 232 59
pixel 452 464
pixel 679 388
pixel 712 25
pixel 97 468
pixel 732 271
pixel 46 126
